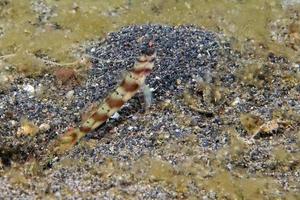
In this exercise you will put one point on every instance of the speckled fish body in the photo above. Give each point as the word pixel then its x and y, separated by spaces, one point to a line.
pixel 130 85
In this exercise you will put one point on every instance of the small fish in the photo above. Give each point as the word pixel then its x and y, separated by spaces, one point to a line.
pixel 133 81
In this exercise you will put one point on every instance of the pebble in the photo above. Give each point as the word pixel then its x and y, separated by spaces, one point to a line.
pixel 13 123
pixel 236 101
pixel 70 95
pixel 40 89
pixel 44 127
pixel 29 89
pixel 296 66
pixel 93 50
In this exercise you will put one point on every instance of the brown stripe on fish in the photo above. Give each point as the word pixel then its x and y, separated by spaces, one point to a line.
pixel 74 137
pixel 129 87
pixel 142 71
pixel 85 129
pixel 99 116
pixel 114 103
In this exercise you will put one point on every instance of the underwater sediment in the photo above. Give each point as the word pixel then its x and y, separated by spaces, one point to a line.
pixel 221 124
